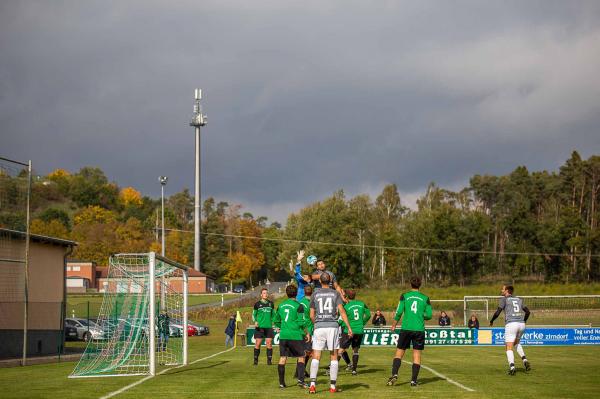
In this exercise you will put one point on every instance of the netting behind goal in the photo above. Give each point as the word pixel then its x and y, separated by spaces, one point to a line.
pixel 142 320
pixel 560 310
pixel 15 196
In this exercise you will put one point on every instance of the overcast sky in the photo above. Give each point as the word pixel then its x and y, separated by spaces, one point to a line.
pixel 303 98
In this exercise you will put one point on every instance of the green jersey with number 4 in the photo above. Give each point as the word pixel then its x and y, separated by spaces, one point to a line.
pixel 290 318
pixel 358 315
pixel 416 308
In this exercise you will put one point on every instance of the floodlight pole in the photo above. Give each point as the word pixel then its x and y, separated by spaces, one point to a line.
pixel 198 120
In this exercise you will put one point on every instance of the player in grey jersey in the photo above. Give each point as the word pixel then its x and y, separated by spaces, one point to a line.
pixel 326 306
pixel 515 316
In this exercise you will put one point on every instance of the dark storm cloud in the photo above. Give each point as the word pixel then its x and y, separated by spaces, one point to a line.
pixel 302 98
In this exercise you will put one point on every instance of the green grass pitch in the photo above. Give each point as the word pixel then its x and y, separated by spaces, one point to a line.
pixel 558 372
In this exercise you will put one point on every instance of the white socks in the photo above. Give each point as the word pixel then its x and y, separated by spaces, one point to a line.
pixel 333 371
pixel 520 351
pixel 314 370
pixel 510 356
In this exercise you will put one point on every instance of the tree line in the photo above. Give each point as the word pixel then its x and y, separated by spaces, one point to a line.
pixel 536 225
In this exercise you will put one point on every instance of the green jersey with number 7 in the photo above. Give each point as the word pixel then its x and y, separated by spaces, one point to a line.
pixel 416 308
pixel 291 318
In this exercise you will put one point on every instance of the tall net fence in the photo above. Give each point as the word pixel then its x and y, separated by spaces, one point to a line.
pixel 545 310
pixel 142 319
pixel 14 203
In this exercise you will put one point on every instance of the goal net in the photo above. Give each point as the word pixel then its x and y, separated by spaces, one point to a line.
pixel 555 310
pixel 142 321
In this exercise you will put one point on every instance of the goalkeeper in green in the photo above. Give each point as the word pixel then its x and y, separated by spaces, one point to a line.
pixel 164 322
pixel 416 308
pixel 358 315
pixel 290 318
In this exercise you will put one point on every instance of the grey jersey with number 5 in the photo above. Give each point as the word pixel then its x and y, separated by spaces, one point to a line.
pixel 513 309
pixel 325 302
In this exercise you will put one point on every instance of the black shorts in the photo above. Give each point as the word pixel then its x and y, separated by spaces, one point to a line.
pixel 346 341
pixel 416 337
pixel 308 346
pixel 264 333
pixel 291 348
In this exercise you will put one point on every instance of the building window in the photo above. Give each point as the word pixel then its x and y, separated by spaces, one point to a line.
pixel 76 268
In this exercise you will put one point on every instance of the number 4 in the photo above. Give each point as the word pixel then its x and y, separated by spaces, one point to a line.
pixel 413 307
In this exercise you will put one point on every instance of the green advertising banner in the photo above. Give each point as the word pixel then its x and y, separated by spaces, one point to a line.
pixel 384 337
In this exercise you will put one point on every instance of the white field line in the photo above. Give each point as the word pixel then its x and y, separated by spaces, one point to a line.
pixel 442 376
pixel 134 384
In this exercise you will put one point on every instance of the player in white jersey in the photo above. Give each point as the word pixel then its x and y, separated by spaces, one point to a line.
pixel 326 306
pixel 515 317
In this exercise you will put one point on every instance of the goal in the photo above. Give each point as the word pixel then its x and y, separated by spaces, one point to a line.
pixel 142 321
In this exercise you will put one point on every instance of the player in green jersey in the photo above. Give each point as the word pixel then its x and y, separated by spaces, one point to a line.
pixel 262 315
pixel 416 308
pixel 290 317
pixel 309 324
pixel 305 301
pixel 358 315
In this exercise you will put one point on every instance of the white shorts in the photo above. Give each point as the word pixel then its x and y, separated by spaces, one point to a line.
pixel 513 331
pixel 326 339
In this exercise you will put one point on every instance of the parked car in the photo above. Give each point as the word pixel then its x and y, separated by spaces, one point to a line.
pixel 239 289
pixel 222 288
pixel 70 332
pixel 86 329
pixel 202 330
pixel 192 330
pixel 126 326
pixel 175 331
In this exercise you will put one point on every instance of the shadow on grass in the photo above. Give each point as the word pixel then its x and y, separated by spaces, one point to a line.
pixel 368 371
pixel 423 381
pixel 349 387
pixel 198 367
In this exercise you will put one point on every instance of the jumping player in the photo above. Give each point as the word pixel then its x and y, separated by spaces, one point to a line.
pixel 416 308
pixel 322 269
pixel 302 280
pixel 359 315
pixel 515 317
pixel 290 318
pixel 262 315
pixel 326 306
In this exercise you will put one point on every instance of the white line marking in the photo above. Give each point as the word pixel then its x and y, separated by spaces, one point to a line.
pixel 134 384
pixel 442 376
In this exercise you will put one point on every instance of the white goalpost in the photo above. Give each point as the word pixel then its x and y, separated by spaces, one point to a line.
pixel 143 319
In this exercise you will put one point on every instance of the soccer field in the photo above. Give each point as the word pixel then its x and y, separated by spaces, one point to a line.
pixel 558 372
